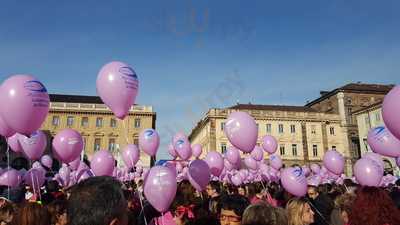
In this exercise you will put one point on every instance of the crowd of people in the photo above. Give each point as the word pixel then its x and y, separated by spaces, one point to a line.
pixel 106 201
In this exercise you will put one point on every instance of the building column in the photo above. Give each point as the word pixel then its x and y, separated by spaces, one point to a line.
pixel 342 111
pixel 305 142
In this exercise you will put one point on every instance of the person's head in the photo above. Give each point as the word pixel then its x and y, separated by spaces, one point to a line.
pixel 344 203
pixel 97 201
pixel 242 190
pixel 7 211
pixel 32 213
pixel 263 214
pixel 312 192
pixel 373 206
pixel 299 212
pixel 213 189
pixel 58 212
pixel 231 209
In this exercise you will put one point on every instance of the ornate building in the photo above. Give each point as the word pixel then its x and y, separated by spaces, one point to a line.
pixel 98 126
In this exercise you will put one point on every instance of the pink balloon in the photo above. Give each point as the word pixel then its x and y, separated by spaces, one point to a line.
pixel 257 153
pixel 314 180
pixel 14 144
pixel 183 148
pixel 242 131
pixel 68 145
pixel 250 163
pixel 27 103
pixel 103 163
pixel 171 151
pixel 149 140
pixel 197 150
pixel 398 161
pixel 228 165
pixel 130 155
pixel 215 162
pixel 334 162
pixel 391 111
pixel 5 130
pixel 275 161
pixel 75 163
pixel 64 173
pixel 383 142
pixel 46 161
pixel 269 144
pixel 306 170
pixel 199 174
pixel 160 188
pixel 294 181
pixel 232 155
pixel 178 136
pixel 10 178
pixel 34 146
pixel 376 157
pixel 315 168
pixel 117 85
pixel 35 178
pixel 368 172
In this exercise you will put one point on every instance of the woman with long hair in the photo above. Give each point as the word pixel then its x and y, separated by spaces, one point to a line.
pixel 299 212
pixel 373 206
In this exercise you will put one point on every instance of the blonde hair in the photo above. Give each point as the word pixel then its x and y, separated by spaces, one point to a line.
pixel 295 210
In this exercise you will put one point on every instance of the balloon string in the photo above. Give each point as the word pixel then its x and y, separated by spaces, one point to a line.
pixel 33 184
pixel 8 167
pixel 141 204
pixel 162 218
pixel 37 181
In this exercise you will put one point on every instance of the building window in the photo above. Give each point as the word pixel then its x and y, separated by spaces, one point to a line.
pixel 97 142
pixel 294 149
pixel 348 100
pixel 223 148
pixel 377 116
pixel 222 126
pixel 269 128
pixel 367 121
pixel 70 121
pixel 113 122
pixel 282 149
pixel 84 144
pixel 137 123
pixel 85 122
pixel 332 130
pixel 99 122
pixel 349 116
pixel 333 147
pixel 315 150
pixel 136 141
pixel 292 129
pixel 56 121
pixel 111 145
pixel 257 127
pixel 280 128
pixel 313 129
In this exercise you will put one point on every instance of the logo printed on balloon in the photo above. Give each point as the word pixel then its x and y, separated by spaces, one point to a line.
pixel 148 133
pixel 129 76
pixel 380 134
pixel 72 141
pixel 38 93
pixel 180 142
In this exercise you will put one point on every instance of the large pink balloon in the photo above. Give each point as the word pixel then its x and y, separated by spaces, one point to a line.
pixel 10 178
pixel 14 144
pixel 275 161
pixel 197 150
pixel 269 144
pixel 103 163
pixel 376 157
pixel 232 155
pixel 250 163
pixel 117 85
pixel 5 130
pixel 199 174
pixel 46 161
pixel 34 146
pixel 257 153
pixel 27 103
pixel 334 162
pixel 383 142
pixel 149 140
pixel 160 187
pixel 35 178
pixel 130 155
pixel 68 145
pixel 242 131
pixel 178 136
pixel 171 151
pixel 398 161
pixel 183 148
pixel 75 163
pixel 368 172
pixel 391 111
pixel 215 162
pixel 294 181
pixel 315 168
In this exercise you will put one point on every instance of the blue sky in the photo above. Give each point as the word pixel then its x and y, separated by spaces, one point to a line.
pixel 193 55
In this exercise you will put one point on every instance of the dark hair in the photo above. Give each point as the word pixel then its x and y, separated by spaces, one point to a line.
pixel 216 186
pixel 56 209
pixel 236 203
pixel 96 201
pixel 32 214
pixel 264 214
pixel 373 206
